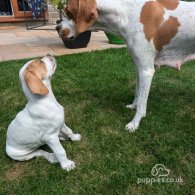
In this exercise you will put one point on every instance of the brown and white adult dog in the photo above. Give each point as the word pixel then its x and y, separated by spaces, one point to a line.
pixel 157 32
pixel 42 120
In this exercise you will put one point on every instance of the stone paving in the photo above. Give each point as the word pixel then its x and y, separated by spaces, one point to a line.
pixel 17 43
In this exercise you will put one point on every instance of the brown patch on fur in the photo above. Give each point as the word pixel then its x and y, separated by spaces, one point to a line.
pixel 87 14
pixel 170 4
pixel 15 172
pixel 72 9
pixel 152 17
pixel 33 76
pixel 166 32
pixel 65 33
pixel 83 12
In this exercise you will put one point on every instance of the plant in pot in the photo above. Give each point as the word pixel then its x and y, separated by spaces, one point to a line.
pixel 81 40
pixel 114 39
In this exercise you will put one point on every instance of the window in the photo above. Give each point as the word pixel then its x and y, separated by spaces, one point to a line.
pixel 5 8
pixel 21 7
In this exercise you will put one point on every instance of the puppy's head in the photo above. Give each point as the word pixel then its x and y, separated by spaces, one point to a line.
pixel 81 14
pixel 35 75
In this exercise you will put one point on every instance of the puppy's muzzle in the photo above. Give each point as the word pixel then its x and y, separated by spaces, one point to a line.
pixel 52 59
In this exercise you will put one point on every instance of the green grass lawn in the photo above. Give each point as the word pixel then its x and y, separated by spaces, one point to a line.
pixel 94 89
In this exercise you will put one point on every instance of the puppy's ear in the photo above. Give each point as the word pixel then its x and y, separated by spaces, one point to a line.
pixel 33 76
pixel 87 14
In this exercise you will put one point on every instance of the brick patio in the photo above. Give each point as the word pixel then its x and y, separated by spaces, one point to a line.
pixel 17 43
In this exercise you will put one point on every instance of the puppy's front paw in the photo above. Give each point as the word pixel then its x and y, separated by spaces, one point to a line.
pixel 132 126
pixel 75 137
pixel 62 137
pixel 68 165
pixel 131 106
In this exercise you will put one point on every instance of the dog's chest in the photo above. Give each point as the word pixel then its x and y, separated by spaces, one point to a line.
pixel 50 115
pixel 55 115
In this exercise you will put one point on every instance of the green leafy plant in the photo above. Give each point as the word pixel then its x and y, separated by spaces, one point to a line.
pixel 59 4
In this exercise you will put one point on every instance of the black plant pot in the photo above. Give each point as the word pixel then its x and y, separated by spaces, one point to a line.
pixel 80 42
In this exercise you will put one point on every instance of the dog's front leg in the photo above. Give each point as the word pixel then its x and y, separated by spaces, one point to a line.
pixel 59 152
pixel 66 132
pixel 145 79
pixel 134 104
pixel 145 71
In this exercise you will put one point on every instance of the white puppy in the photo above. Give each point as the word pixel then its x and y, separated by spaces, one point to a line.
pixel 42 120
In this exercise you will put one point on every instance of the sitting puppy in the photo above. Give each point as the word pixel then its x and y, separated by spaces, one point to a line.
pixel 42 120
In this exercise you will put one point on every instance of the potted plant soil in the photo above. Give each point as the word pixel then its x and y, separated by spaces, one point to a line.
pixel 113 39
pixel 79 42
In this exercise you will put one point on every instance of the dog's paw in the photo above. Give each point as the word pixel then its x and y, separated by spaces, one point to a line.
pixel 75 137
pixel 131 106
pixel 62 137
pixel 68 165
pixel 131 127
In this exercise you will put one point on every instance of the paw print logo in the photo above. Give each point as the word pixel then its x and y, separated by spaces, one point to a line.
pixel 159 170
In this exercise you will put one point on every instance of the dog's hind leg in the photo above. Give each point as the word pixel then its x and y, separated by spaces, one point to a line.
pixel 66 132
pixel 37 153
pixel 134 104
